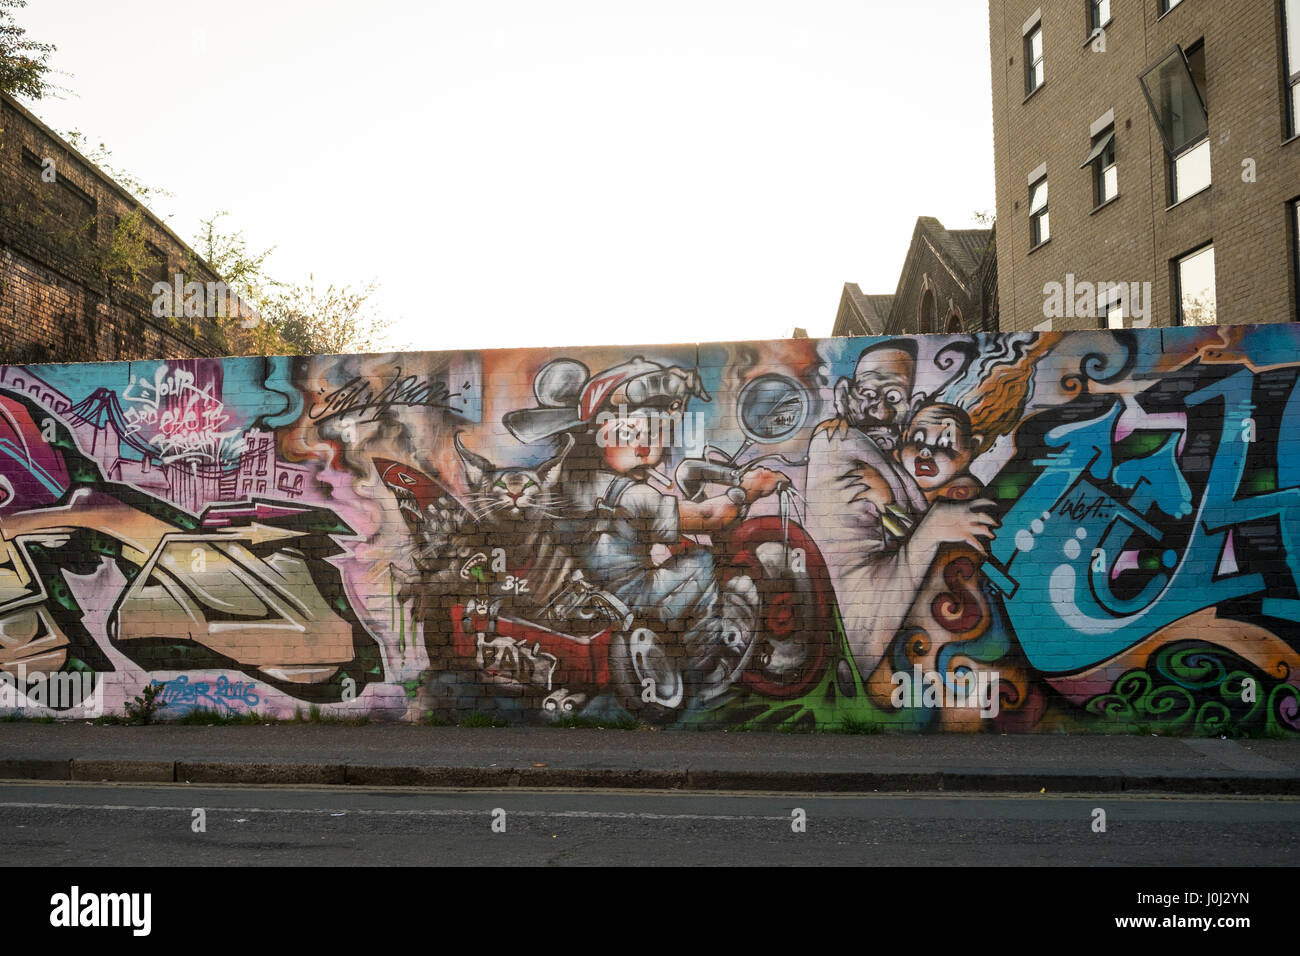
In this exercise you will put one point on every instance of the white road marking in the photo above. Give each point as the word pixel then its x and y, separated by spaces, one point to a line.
pixel 576 814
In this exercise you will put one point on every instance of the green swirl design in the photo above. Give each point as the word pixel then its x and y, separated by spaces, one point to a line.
pixel 1202 687
pixel 1196 667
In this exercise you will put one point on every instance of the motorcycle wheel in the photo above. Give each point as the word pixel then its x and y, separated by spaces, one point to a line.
pixel 650 674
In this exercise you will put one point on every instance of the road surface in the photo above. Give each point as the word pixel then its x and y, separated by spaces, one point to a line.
pixel 136 825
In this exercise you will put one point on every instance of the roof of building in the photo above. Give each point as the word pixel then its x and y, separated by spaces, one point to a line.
pixel 972 242
pixel 861 314
pixel 964 248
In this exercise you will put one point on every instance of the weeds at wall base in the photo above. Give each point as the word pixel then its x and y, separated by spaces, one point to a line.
pixel 583 723
pixel 477 719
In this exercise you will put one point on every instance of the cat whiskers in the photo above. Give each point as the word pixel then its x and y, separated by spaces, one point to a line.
pixel 482 512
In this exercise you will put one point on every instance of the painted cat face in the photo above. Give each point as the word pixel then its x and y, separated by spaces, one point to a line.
pixel 511 494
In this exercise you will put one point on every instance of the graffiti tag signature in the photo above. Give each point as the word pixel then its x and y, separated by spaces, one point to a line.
pixel 224 693
pixel 180 418
pixel 358 395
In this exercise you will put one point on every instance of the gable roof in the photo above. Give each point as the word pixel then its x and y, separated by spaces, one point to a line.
pixel 861 314
pixel 963 248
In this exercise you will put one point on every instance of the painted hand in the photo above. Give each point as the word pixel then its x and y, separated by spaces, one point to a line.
pixel 761 482
pixel 958 522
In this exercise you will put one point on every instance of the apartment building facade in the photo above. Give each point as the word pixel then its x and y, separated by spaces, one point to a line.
pixel 1147 162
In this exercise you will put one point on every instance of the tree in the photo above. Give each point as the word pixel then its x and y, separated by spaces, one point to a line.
pixel 245 275
pixel 228 255
pixel 339 319
pixel 292 319
pixel 24 63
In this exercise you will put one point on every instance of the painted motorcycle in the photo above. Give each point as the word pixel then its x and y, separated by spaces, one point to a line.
pixel 583 641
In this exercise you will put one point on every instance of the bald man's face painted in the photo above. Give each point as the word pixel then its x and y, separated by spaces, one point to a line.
pixel 876 401
pixel 938 448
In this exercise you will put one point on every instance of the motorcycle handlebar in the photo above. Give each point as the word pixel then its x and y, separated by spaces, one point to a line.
pixel 693 473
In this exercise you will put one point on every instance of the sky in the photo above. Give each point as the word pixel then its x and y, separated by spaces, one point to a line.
pixel 523 173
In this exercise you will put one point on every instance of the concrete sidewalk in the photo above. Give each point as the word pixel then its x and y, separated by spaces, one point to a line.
pixel 404 755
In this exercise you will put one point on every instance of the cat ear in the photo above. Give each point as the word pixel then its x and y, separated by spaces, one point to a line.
pixel 548 467
pixel 477 467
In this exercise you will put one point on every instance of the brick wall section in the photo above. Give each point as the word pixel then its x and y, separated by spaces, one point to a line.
pixel 56 302
pixel 1136 237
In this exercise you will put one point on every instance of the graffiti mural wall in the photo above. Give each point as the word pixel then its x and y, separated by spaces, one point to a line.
pixel 992 533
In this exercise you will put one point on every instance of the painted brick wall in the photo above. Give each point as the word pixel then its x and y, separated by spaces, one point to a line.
pixel 993 533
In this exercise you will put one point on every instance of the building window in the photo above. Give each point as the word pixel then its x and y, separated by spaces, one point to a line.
pixel 1039 229
pixel 1175 92
pixel 1167 5
pixel 1194 274
pixel 1190 171
pixel 1110 311
pixel 1295 248
pixel 1291 25
pixel 1098 14
pixel 1101 158
pixel 160 271
pixel 1034 58
pixel 926 319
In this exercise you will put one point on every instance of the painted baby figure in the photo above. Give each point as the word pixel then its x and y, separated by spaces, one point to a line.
pixel 620 511
pixel 889 491
pixel 939 445
pixel 935 452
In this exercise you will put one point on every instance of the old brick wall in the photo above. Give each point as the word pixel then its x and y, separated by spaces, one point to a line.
pixel 60 298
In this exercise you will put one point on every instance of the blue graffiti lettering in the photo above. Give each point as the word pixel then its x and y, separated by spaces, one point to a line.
pixel 1074 537
pixel 182 694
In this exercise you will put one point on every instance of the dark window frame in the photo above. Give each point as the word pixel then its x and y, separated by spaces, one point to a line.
pixel 1174 197
pixel 1098 165
pixel 1187 53
pixel 1290 73
pixel 1095 23
pixel 1104 310
pixel 1030 63
pixel 927 318
pixel 1036 237
pixel 1293 207
pixel 1178 281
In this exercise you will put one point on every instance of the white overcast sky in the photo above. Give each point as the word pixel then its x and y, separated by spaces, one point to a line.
pixel 548 172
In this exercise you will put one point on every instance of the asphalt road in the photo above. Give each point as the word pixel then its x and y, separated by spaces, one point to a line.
pixel 79 824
